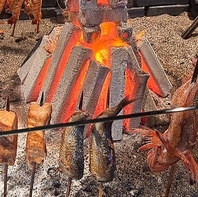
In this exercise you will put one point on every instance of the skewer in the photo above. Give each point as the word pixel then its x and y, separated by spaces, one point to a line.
pixel 100 192
pixel 13 30
pixel 170 180
pixel 32 178
pixel 7 107
pixel 5 179
pixel 35 143
pixel 34 163
pixel 69 183
pixel 96 120
pixel 100 188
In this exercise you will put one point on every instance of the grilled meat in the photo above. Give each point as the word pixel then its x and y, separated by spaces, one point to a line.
pixel 38 115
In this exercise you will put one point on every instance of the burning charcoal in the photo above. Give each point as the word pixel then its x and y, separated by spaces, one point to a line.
pixel 92 87
pixel 118 3
pixel 91 34
pixel 158 81
pixel 125 32
pixel 119 63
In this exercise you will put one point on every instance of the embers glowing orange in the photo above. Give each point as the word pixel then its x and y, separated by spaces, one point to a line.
pixel 62 65
pixel 70 104
pixel 129 89
pixel 103 2
pixel 109 38
pixel 152 85
pixel 39 82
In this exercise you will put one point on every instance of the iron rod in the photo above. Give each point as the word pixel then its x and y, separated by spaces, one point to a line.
pixel 90 121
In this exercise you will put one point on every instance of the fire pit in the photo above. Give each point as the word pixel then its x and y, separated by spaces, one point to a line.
pixel 93 55
pixel 133 178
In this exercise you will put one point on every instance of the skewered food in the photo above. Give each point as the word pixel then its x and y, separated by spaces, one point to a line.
pixel 71 158
pixel 102 154
pixel 38 115
pixel 8 144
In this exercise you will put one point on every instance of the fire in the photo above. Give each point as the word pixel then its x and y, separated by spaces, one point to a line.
pixel 62 64
pixel 109 37
pixel 103 2
pixel 74 94
pixel 39 81
pixel 101 52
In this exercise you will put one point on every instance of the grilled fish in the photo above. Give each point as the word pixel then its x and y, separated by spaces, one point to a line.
pixel 101 150
pixel 71 157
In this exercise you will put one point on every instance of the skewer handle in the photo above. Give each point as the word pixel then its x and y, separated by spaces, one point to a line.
pixel 100 189
pixel 32 178
pixel 68 186
pixel 5 179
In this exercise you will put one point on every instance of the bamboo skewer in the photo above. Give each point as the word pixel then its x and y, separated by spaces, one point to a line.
pixel 5 179
pixel 100 190
pixel 69 183
pixel 32 179
pixel 170 180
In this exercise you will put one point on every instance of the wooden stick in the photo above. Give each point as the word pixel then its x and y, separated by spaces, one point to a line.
pixel 170 180
pixel 13 29
pixel 68 186
pixel 7 107
pixel 100 189
pixel 32 179
pixel 5 179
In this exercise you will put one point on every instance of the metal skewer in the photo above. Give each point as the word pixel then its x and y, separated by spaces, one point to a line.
pixel 107 119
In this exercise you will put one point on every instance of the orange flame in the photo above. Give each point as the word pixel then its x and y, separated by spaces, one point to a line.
pixel 103 2
pixel 109 37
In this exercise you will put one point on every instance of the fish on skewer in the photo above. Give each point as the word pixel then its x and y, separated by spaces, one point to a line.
pixel 8 144
pixel 176 143
pixel 71 156
pixel 39 114
pixel 33 7
pixel 101 146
